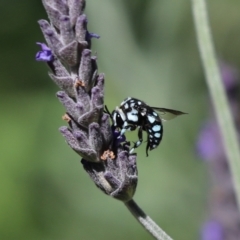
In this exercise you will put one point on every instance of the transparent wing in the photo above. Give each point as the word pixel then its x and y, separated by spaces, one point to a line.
pixel 167 114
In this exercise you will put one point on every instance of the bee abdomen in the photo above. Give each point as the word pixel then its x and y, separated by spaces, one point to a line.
pixel 155 133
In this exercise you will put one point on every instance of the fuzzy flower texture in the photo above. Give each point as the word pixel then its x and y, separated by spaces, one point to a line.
pixel 105 157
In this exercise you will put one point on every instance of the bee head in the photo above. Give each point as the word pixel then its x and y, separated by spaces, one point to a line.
pixel 118 118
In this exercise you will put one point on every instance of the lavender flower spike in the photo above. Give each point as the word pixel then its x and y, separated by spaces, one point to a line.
pixel 212 230
pixel 107 176
pixel 74 70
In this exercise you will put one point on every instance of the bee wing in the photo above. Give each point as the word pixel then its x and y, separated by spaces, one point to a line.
pixel 168 114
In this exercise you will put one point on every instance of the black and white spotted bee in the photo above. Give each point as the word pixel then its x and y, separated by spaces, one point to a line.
pixel 133 113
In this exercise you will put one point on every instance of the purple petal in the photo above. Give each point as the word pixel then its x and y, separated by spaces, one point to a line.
pixel 116 138
pixel 209 144
pixel 229 76
pixel 91 35
pixel 45 54
pixel 212 230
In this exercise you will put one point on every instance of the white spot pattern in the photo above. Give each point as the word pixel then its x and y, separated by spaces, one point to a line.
pixel 157 135
pixel 125 101
pixel 134 111
pixel 151 119
pixel 156 128
pixel 132 105
pixel 121 114
pixel 131 112
pixel 115 118
pixel 132 117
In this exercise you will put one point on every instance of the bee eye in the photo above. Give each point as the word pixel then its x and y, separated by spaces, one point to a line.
pixel 119 120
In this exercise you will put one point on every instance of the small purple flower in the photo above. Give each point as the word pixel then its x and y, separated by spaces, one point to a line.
pixel 210 147
pixel 209 144
pixel 229 76
pixel 212 230
pixel 117 138
pixel 89 36
pixel 45 54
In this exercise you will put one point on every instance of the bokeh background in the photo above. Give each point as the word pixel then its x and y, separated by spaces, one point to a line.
pixel 147 50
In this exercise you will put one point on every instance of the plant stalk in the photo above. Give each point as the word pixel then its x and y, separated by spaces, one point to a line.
pixel 217 91
pixel 146 221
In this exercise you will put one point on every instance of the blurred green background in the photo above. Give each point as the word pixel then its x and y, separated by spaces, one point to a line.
pixel 147 50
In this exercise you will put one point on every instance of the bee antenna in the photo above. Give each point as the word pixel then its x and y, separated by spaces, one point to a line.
pixel 107 111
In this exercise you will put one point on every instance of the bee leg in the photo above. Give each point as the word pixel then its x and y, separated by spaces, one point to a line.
pixel 124 129
pixel 147 148
pixel 127 127
pixel 105 110
pixel 139 142
pixel 126 146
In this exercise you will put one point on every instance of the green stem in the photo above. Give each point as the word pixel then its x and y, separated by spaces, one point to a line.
pixel 217 92
pixel 146 221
